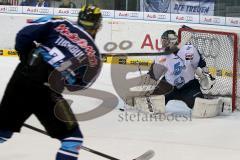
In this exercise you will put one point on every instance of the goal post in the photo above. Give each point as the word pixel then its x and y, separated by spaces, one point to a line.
pixel 220 51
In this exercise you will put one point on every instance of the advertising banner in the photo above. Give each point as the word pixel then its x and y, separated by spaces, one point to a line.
pixel 154 16
pixel 161 6
pixel 215 20
pixel 185 18
pixel 128 15
pixel 205 7
pixel 11 9
pixel 66 12
pixel 233 21
pixel 126 36
pixel 194 7
pixel 37 10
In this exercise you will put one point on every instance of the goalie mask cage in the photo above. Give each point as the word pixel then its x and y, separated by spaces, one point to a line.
pixel 220 51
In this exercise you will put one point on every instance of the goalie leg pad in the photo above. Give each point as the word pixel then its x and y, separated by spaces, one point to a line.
pixel 206 108
pixel 152 104
pixel 227 103
pixel 129 101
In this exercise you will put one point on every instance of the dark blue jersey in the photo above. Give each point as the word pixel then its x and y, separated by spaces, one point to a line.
pixel 70 39
pixel 62 40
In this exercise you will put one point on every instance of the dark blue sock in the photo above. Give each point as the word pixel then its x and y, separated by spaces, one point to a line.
pixel 5 135
pixel 70 146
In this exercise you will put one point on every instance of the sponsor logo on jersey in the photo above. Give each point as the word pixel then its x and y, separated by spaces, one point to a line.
pixel 83 43
pixel 178 68
pixel 74 49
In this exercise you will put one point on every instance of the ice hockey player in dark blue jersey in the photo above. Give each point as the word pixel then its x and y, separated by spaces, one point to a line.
pixel 54 53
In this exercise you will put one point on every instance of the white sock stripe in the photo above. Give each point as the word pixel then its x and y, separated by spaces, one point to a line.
pixel 67 153
pixel 5 139
pixel 74 138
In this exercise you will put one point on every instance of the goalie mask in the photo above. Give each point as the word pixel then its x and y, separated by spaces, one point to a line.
pixel 90 18
pixel 169 39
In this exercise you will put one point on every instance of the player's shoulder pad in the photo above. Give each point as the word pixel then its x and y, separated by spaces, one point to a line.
pixel 45 19
pixel 161 59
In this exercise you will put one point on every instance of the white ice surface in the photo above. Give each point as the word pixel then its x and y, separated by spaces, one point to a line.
pixel 196 139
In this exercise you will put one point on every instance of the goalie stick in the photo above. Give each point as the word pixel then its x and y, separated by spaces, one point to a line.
pixel 145 156
pixel 141 54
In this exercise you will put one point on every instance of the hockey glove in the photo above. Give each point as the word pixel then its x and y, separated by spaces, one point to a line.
pixel 206 80
pixel 156 71
pixel 56 63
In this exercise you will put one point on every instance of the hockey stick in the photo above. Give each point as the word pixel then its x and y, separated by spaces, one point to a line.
pixel 141 54
pixel 146 156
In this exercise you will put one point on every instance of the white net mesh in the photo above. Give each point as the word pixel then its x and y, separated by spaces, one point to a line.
pixel 220 51
pixel 238 80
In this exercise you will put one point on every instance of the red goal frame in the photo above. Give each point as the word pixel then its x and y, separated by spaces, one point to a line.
pixel 235 56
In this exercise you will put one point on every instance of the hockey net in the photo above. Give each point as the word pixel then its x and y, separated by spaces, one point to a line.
pixel 220 51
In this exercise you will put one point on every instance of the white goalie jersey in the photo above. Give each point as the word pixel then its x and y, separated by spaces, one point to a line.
pixel 181 66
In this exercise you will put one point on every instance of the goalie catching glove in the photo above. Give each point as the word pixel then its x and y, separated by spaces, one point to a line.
pixel 205 78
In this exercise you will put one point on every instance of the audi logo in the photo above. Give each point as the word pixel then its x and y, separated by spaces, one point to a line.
pixel 162 16
pixel 111 46
pixel 74 11
pixel 133 14
pixel 216 20
pixel 13 9
pixel 106 13
pixel 189 18
pixel 43 10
